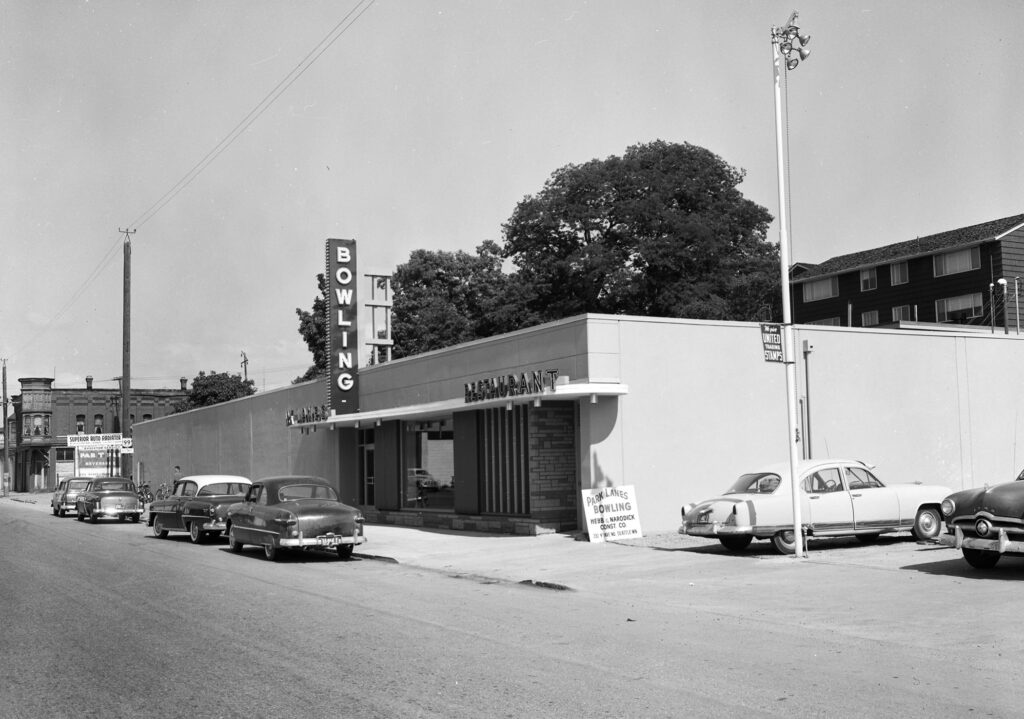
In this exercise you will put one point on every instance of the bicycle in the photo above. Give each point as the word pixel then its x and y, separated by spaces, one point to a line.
pixel 163 491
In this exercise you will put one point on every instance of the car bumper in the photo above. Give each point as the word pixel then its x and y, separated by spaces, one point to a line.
pixel 327 541
pixel 1001 543
pixel 713 529
pixel 109 512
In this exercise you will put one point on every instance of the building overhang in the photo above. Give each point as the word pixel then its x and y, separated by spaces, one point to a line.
pixel 590 391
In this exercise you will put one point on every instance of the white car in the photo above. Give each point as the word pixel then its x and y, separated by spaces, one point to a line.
pixel 838 497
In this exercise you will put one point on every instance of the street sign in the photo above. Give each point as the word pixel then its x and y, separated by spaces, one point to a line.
pixel 771 339
pixel 126 446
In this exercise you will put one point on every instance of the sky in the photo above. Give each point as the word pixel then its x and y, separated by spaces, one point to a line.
pixel 422 125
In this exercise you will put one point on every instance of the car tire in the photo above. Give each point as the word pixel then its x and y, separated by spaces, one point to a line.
pixel 345 551
pixel 92 517
pixel 62 512
pixel 54 510
pixel 195 533
pixel 158 528
pixel 784 542
pixel 136 518
pixel 736 542
pixel 122 517
pixel 981 558
pixel 270 551
pixel 233 544
pixel 79 516
pixel 927 524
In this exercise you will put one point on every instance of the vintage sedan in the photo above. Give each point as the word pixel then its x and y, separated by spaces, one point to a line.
pixel 838 497
pixel 108 497
pixel 294 512
pixel 66 495
pixel 985 522
pixel 198 505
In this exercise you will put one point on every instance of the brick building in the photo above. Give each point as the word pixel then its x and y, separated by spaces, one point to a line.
pixel 45 415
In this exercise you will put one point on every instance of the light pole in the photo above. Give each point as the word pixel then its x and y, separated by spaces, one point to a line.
pixel 785 41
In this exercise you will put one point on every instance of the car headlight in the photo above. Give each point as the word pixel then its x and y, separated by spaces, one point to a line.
pixel 948 507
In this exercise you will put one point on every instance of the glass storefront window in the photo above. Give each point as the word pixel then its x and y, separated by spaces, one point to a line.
pixel 428 464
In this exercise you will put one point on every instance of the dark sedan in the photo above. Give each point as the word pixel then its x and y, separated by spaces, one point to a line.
pixel 985 522
pixel 294 512
pixel 109 497
pixel 198 505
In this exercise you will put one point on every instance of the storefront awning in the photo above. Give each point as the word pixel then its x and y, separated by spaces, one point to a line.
pixel 583 390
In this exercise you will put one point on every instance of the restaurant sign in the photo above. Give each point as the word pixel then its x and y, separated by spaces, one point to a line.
pixel 511 385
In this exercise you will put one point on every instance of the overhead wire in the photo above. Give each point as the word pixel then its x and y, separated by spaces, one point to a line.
pixel 262 106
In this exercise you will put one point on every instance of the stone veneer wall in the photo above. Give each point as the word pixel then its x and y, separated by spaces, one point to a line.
pixel 553 482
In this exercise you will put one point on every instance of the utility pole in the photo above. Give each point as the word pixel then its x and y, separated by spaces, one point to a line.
pixel 126 354
pixel 245 365
pixel 4 473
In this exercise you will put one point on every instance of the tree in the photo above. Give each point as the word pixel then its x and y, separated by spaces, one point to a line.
pixel 661 231
pixel 214 388
pixel 313 328
pixel 444 298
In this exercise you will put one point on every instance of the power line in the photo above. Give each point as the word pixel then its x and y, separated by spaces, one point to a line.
pixel 311 57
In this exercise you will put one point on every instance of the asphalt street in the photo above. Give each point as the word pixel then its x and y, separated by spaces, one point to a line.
pixel 441 624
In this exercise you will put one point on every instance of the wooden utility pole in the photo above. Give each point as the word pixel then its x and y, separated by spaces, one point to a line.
pixel 245 365
pixel 126 353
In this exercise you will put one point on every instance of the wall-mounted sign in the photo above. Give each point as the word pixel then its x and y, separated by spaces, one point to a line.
pixel 611 513
pixel 95 440
pixel 342 327
pixel 511 385
pixel 771 339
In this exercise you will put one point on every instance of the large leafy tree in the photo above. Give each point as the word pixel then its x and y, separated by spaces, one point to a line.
pixel 662 230
pixel 214 388
pixel 313 328
pixel 444 298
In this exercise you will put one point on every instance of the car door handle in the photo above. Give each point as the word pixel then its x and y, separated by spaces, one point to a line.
pixel 854 495
pixel 815 496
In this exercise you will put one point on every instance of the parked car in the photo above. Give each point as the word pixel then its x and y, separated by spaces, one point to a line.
pixel 985 522
pixel 66 494
pixel 198 505
pixel 422 479
pixel 108 497
pixel 838 497
pixel 294 512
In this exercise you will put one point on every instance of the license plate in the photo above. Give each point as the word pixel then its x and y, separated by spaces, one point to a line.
pixel 120 506
pixel 328 541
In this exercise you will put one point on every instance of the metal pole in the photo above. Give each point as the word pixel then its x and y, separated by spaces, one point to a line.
pixel 787 320
pixel 992 305
pixel 1016 303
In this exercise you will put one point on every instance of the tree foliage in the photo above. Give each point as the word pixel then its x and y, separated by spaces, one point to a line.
pixel 214 388
pixel 313 328
pixel 662 231
pixel 444 298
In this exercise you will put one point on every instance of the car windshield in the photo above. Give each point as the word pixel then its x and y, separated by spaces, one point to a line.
pixel 306 491
pixel 223 488
pixel 78 484
pixel 119 486
pixel 757 483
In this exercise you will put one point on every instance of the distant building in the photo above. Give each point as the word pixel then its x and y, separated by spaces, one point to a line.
pixel 45 415
pixel 950 277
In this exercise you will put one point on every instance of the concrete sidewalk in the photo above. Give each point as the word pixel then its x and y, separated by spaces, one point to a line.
pixel 556 561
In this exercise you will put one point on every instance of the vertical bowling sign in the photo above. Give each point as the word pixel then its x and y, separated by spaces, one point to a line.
pixel 342 327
